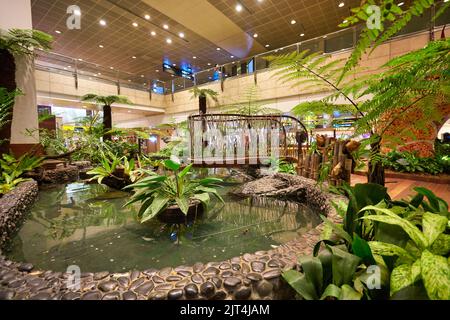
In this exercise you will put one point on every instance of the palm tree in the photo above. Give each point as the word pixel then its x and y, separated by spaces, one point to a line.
pixel 106 102
pixel 16 43
pixel 203 95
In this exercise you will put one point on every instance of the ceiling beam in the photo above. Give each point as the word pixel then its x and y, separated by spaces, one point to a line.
pixel 207 21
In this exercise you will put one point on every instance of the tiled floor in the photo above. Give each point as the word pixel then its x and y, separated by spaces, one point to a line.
pixel 402 188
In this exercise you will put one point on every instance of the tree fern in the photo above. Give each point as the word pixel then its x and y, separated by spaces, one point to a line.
pixel 251 104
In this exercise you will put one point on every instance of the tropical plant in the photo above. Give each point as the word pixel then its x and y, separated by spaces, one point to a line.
pixel 251 105
pixel 16 43
pixel 6 104
pixel 158 192
pixel 410 162
pixel 106 102
pixel 423 260
pixel 203 95
pixel 392 18
pixel 12 170
pixel 109 167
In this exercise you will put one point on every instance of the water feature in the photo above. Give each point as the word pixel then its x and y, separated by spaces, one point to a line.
pixel 87 225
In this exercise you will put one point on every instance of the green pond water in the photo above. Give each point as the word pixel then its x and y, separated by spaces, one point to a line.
pixel 87 225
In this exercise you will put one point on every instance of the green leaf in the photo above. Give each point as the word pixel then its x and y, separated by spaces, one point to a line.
pixel 390 250
pixel 344 266
pixel 312 268
pixel 300 284
pixel 331 291
pixel 441 246
pixel 392 218
pixel 155 208
pixel 338 229
pixel 185 171
pixel 203 197
pixel 172 165
pixel 361 248
pixel 402 276
pixel 436 276
pixel 183 203
pixel 349 293
pixel 433 225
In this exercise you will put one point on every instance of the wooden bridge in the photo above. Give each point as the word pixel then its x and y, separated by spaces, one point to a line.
pixel 234 140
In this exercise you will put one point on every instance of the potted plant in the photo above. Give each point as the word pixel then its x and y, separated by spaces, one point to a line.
pixel 174 198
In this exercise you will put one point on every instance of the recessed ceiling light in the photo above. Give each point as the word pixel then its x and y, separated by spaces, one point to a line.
pixel 194 57
pixel 340 5
pixel 102 22
pixel 135 24
pixel 302 34
pixel 166 27
pixel 112 68
pixel 77 12
pixel 232 57
pixel 58 32
pixel 129 80
pixel 402 3
pixel 172 75
pixel 69 66
pixel 293 22
pixel 181 34
pixel 100 46
pixel 99 74
pixel 65 68
pixel 267 45
pixel 174 64
pixel 169 41
pixel 80 59
pixel 218 49
pixel 239 7
pixel 134 57
pixel 157 70
pixel 255 35
pixel 142 76
pixel 153 33
pixel 209 64
pixel 324 36
pixel 147 17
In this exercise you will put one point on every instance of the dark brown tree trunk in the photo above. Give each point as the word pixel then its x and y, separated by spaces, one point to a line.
pixel 8 81
pixel 376 170
pixel 107 122
pixel 202 105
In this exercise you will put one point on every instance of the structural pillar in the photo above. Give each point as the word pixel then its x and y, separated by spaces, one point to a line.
pixel 17 15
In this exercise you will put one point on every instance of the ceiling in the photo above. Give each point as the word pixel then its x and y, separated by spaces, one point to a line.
pixel 137 55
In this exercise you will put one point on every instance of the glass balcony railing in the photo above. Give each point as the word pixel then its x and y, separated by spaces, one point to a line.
pixel 344 39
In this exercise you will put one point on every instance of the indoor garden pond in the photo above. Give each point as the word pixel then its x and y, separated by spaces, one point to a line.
pixel 87 225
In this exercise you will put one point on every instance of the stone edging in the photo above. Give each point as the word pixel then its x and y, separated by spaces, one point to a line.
pixel 251 276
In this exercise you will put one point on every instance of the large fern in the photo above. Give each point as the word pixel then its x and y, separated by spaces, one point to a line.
pixel 392 20
pixel 6 105
pixel 251 104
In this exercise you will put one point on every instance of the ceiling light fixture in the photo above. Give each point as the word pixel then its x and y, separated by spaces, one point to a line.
pixel 209 64
pixel 142 76
pixel 58 32
pixel 102 22
pixel 181 34
pixel 293 22
pixel 134 57
pixel 112 68
pixel 80 59
pixel 340 5
pixel 239 7
pixel 194 57
pixel 166 27
pixel 100 46
pixel 169 41
pixel 147 17
pixel 302 34
pixel 135 24
pixel 153 33
pixel 232 57
pixel 267 45
pixel 218 49
pixel 255 35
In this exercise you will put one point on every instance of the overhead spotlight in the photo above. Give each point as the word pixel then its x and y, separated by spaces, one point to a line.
pixel 302 34
pixel 232 57
pixel 102 22
pixel 340 5
pixel 100 46
pixel 80 59
pixel 147 17
pixel 255 35
pixel 293 21
pixel 134 57
pixel 166 27
pixel 218 49
pixel 134 24
pixel 142 76
pixel 194 57
pixel 153 33
pixel 267 45
pixel 112 68
pixel 239 7
pixel 209 64
pixel 169 41
pixel 58 32
pixel 181 35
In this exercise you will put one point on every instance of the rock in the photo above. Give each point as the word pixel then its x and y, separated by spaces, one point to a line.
pixel 258 266
pixel 35 282
pixel 163 287
pixel 243 293
pixel 197 279
pixel 158 296
pixel 41 296
pixel 107 286
pixel 71 296
pixel 236 267
pixel 25 267
pixel 175 294
pixel 272 274
pixel 16 283
pixel 165 272
pixel 220 295
pixel 157 279
pixel 217 282
pixel 227 274
pixel 264 288
pixel 198 267
pixel 134 275
pixel 182 283
pixel 150 272
pixel 145 288
pixel 274 263
pixel 93 295
pixel 211 271
pixel 124 282
pixel 191 291
pixel 173 278
pixel 232 282
pixel 101 275
pixel 225 266
pixel 254 276
pixel 137 283
pixel 129 295
pixel 112 296
pixel 184 273
pixel 7 295
pixel 207 289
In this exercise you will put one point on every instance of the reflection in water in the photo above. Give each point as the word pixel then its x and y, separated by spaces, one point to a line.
pixel 87 225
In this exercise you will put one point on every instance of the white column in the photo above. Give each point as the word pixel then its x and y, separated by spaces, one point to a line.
pixel 17 14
